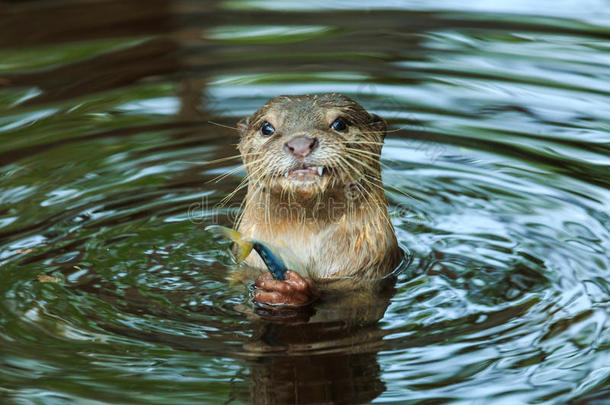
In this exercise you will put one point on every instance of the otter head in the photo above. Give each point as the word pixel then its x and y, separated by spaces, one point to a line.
pixel 305 146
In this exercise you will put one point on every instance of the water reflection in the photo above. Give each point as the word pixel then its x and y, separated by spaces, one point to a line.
pixel 307 379
pixel 326 355
pixel 495 168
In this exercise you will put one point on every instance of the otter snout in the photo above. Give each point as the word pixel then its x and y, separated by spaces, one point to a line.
pixel 300 146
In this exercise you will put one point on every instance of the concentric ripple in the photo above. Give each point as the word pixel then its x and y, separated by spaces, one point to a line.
pixel 118 147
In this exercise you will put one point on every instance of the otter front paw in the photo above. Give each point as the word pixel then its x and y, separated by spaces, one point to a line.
pixel 295 291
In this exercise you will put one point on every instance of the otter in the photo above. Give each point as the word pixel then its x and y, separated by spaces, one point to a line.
pixel 314 185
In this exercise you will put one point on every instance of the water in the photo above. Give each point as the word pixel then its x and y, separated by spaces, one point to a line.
pixel 496 168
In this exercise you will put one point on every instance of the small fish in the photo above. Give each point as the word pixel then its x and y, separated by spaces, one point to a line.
pixel 277 258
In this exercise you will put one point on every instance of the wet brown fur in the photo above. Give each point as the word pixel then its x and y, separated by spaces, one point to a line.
pixel 339 225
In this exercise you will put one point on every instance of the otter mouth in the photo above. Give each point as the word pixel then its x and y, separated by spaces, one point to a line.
pixel 306 181
pixel 307 173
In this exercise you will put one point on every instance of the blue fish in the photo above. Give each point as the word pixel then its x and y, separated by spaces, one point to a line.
pixel 277 258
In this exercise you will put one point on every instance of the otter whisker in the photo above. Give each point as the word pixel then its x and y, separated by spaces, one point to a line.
pixel 341 165
pixel 371 197
pixel 368 158
pixel 268 212
pixel 373 155
pixel 243 207
pixel 360 176
pixel 366 153
pixel 229 172
pixel 226 174
pixel 228 197
pixel 254 174
pixel 243 203
pixel 242 184
pixel 377 209
pixel 356 171
pixel 368 163
pixel 223 125
pixel 389 131
pixel 399 191
pixel 234 170
pixel 365 176
pixel 350 142
pixel 248 154
pixel 375 197
pixel 350 204
pixel 209 162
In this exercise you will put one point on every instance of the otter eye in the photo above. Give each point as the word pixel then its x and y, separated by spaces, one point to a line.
pixel 267 129
pixel 339 125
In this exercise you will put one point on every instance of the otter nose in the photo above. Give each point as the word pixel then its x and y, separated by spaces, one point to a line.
pixel 300 146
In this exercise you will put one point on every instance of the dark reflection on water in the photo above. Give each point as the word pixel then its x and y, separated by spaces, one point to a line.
pixel 496 168
pixel 329 355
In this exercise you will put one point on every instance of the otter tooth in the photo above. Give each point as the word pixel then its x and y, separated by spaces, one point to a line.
pixel 320 170
pixel 286 174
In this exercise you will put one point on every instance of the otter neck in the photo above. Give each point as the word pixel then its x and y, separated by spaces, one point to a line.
pixel 269 209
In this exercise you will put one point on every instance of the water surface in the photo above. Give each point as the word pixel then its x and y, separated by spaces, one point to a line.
pixel 496 167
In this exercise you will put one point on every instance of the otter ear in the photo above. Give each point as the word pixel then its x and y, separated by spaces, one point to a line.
pixel 379 124
pixel 242 126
